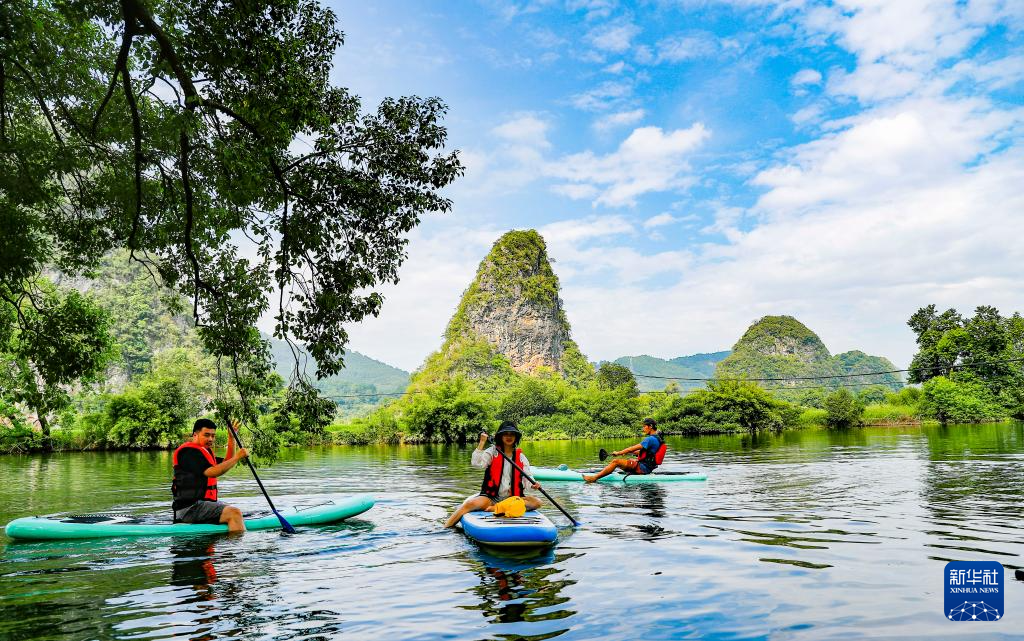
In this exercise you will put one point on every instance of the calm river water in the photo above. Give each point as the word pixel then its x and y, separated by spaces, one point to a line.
pixel 802 535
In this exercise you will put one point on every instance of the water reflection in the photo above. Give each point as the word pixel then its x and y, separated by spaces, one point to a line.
pixel 972 487
pixel 192 564
pixel 520 587
pixel 802 535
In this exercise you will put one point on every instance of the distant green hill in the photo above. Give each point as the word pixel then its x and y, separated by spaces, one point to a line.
pixel 354 387
pixel 783 347
pixel 695 366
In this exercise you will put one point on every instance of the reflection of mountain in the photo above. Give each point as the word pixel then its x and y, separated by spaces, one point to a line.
pixel 519 586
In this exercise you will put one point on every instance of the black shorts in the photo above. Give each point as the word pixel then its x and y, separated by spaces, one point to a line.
pixel 201 512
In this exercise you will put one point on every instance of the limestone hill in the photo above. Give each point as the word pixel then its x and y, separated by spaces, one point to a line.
pixel 783 347
pixel 510 319
pixel 685 367
pixel 354 388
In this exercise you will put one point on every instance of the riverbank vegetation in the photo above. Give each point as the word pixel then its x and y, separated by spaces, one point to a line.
pixel 241 183
pixel 157 377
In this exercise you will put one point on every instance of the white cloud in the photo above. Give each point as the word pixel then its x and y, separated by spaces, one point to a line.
pixel 994 74
pixel 806 77
pixel 604 96
pixel 649 160
pixel 526 129
pixel 620 119
pixel 915 142
pixel 909 32
pixel 874 82
pixel 576 192
pixel 516 160
pixel 687 47
pixel 846 270
pixel 615 38
pixel 660 220
pixel 570 232
pixel 644 55
pixel 416 311
pixel 913 199
pixel 595 8
pixel 807 115
pixel 546 38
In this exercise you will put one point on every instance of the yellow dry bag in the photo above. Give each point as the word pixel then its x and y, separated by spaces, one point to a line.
pixel 512 506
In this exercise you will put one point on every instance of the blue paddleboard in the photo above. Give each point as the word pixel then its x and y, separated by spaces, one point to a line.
pixel 533 529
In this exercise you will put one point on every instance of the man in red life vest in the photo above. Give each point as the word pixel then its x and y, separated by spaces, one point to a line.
pixel 501 480
pixel 651 454
pixel 195 479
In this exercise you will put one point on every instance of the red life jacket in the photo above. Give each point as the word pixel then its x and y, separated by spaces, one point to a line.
pixel 492 476
pixel 652 458
pixel 186 486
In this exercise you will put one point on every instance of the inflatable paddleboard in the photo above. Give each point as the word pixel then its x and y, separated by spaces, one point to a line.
pixel 533 529
pixel 90 526
pixel 547 474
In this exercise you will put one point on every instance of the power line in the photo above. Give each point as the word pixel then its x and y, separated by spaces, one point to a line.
pixel 831 376
pixel 745 380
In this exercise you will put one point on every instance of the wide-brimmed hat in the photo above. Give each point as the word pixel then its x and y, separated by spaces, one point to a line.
pixel 508 427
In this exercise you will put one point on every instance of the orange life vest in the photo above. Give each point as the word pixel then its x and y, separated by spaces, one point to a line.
pixel 187 486
pixel 493 474
pixel 650 459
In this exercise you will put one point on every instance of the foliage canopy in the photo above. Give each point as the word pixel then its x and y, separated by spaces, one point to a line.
pixel 207 140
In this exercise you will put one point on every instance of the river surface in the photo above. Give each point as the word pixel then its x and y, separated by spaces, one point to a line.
pixel 801 535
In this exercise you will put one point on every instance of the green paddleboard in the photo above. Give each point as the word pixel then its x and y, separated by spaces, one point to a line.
pixel 547 474
pixel 90 526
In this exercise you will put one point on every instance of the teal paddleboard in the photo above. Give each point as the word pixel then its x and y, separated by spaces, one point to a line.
pixel 91 526
pixel 547 474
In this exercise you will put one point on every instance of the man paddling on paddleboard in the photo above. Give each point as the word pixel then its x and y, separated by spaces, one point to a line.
pixel 652 453
pixel 195 478
pixel 501 480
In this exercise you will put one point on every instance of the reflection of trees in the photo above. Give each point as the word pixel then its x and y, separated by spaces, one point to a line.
pixel 514 586
pixel 973 485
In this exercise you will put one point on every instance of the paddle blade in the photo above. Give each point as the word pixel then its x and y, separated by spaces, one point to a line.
pixel 603 454
pixel 285 525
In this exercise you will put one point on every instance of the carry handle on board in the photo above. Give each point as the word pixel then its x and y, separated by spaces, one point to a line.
pixel 497 448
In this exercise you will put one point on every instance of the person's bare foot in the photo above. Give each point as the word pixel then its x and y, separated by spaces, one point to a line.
pixel 589 478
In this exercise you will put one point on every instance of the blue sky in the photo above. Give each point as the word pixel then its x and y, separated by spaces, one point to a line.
pixel 695 165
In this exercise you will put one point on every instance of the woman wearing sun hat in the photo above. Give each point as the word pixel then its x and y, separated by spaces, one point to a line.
pixel 501 480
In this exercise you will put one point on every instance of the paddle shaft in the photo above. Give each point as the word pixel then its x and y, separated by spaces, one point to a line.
pixel 529 478
pixel 287 526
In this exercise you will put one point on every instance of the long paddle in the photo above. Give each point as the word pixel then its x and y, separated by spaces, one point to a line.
pixel 285 525
pixel 497 448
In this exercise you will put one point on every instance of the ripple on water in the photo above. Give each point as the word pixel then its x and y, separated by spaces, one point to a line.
pixel 798 536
